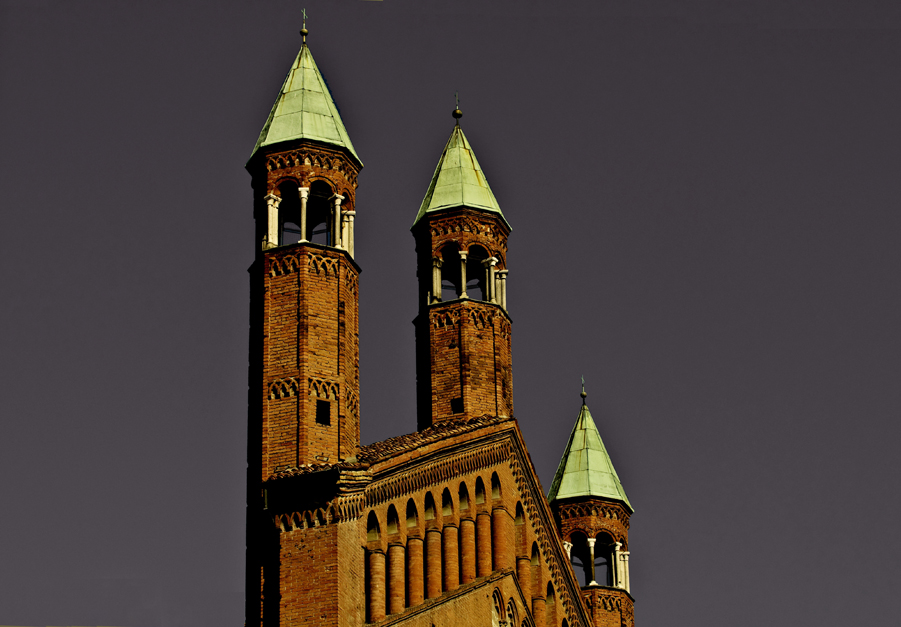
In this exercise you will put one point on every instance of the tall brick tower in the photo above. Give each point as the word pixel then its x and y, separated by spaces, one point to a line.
pixel 444 526
pixel 304 350
pixel 592 513
pixel 463 360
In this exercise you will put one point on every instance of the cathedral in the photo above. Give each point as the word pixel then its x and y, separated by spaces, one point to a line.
pixel 444 527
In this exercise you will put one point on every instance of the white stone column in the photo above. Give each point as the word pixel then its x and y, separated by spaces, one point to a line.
pixel 336 221
pixel 626 570
pixel 304 195
pixel 437 262
pixel 463 293
pixel 270 239
pixel 618 581
pixel 569 548
pixel 593 581
pixel 349 239
pixel 492 262
pixel 502 287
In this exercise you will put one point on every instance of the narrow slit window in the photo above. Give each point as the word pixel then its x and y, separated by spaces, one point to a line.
pixel 323 412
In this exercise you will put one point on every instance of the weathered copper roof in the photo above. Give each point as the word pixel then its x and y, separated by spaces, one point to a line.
pixel 305 109
pixel 458 181
pixel 586 469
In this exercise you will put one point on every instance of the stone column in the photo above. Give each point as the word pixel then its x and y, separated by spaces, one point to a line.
pixel 502 538
pixel 539 609
pixel 626 571
pixel 589 571
pixel 350 231
pixel 432 563
pixel 270 239
pixel 488 280
pixel 437 262
pixel 502 284
pixel 451 546
pixel 463 293
pixel 524 573
pixel 396 584
pixel 415 583
pixel 483 543
pixel 336 221
pixel 492 262
pixel 304 195
pixel 617 565
pixel 468 550
pixel 568 546
pixel 376 585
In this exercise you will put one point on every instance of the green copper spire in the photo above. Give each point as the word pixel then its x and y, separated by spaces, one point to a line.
pixel 586 469
pixel 305 109
pixel 458 180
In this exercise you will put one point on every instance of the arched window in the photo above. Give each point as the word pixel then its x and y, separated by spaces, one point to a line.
pixel 450 272
pixel 464 497
pixel 393 523
pixel 495 486
pixel 480 490
pixel 412 515
pixel 475 272
pixel 603 559
pixel 289 214
pixel 447 503
pixel 319 214
pixel 372 528
pixel 429 506
pixel 536 555
pixel 580 558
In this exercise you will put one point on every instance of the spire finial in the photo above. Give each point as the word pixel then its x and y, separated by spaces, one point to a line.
pixel 583 395
pixel 303 31
pixel 457 113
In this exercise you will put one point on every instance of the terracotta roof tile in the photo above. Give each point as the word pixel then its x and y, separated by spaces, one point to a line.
pixel 386 449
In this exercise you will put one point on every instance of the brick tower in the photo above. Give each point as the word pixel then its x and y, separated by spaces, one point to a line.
pixel 444 526
pixel 304 351
pixel 592 514
pixel 463 360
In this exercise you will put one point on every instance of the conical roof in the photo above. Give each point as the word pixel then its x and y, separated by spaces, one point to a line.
pixel 305 109
pixel 586 469
pixel 458 181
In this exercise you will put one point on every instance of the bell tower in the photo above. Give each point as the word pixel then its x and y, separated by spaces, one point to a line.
pixel 463 361
pixel 592 513
pixel 304 351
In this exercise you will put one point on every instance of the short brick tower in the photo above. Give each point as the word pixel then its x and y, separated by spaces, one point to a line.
pixel 592 514
pixel 304 350
pixel 463 360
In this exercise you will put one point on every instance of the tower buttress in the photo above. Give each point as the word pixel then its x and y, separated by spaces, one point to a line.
pixel 463 357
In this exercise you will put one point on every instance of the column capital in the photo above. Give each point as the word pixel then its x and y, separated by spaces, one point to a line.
pixel 463 254
pixel 350 213
pixel 337 198
pixel 503 273
pixel 304 192
pixel 591 542
pixel 437 261
pixel 272 199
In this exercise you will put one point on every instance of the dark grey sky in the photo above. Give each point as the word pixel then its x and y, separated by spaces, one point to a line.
pixel 704 198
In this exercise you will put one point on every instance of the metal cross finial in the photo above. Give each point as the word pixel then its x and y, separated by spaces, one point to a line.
pixel 583 390
pixel 303 30
pixel 457 98
pixel 457 113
